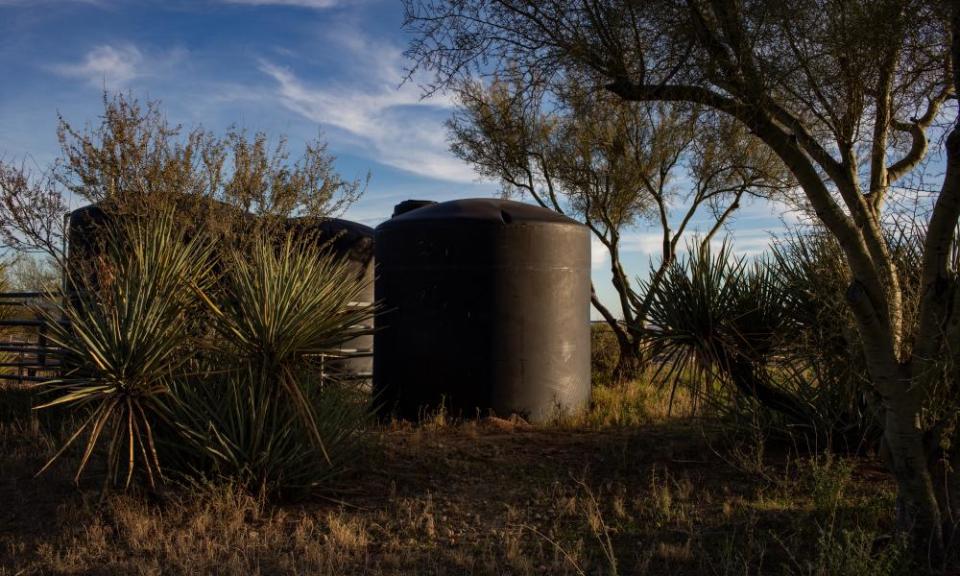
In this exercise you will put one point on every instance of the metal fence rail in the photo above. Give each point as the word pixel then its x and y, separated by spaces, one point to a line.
pixel 26 353
pixel 28 356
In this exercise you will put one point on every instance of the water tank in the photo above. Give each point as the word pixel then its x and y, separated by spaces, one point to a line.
pixel 354 243
pixel 486 307
pixel 350 240
pixel 409 205
pixel 85 239
pixel 87 229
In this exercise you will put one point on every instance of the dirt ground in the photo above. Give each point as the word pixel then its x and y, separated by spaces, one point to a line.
pixel 490 497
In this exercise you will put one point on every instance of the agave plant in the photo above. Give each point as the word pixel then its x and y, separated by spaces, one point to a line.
pixel 123 337
pixel 268 412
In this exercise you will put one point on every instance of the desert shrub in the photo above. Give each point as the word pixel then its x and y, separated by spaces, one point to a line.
pixel 267 413
pixel 238 428
pixel 604 354
pixel 716 317
pixel 820 348
pixel 852 552
pixel 767 341
pixel 123 344
pixel 772 340
pixel 844 545
pixel 212 361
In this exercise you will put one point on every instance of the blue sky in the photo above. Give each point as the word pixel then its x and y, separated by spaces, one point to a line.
pixel 293 67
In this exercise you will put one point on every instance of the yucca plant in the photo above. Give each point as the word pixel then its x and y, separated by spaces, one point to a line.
pixel 716 317
pixel 821 342
pixel 124 339
pixel 268 412
pixel 771 334
pixel 237 426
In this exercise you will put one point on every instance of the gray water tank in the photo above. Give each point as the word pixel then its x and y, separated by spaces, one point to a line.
pixel 486 307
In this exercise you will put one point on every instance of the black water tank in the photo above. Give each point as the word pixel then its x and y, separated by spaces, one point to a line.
pixel 87 229
pixel 354 243
pixel 85 241
pixel 486 308
pixel 410 205
pixel 350 240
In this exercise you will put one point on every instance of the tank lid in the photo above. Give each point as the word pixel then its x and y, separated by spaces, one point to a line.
pixel 410 205
pixel 484 209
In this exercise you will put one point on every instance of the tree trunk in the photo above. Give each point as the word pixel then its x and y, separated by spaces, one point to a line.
pixel 630 363
pixel 747 375
pixel 918 511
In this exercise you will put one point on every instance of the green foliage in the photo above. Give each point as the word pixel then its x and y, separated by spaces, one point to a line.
pixel 125 344
pixel 135 162
pixel 236 426
pixel 267 413
pixel 854 552
pixel 843 547
pixel 769 340
pixel 604 353
pixel 820 344
pixel 826 479
pixel 718 317
pixel 213 362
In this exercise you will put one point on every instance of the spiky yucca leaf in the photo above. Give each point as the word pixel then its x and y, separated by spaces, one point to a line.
pixel 239 427
pixel 689 307
pixel 719 318
pixel 123 340
pixel 271 412
pixel 288 301
pixel 821 343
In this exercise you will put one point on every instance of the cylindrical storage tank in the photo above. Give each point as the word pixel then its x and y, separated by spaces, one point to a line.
pixel 486 307
pixel 354 243
pixel 89 227
pixel 85 243
pixel 409 206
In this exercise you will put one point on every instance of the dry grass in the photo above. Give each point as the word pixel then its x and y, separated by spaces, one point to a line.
pixel 488 497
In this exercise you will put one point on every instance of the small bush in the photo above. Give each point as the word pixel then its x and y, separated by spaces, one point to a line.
pixel 854 552
pixel 124 344
pixel 238 427
pixel 270 416
pixel 604 354
pixel 217 374
pixel 827 478
pixel 767 341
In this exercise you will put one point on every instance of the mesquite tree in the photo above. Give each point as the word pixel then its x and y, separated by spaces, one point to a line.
pixel 612 165
pixel 846 93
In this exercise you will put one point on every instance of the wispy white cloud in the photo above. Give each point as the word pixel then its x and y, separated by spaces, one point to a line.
pixel 599 255
pixel 750 231
pixel 105 65
pixel 299 3
pixel 115 66
pixel 387 117
pixel 649 243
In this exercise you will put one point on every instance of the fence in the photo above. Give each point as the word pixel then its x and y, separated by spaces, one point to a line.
pixel 26 354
